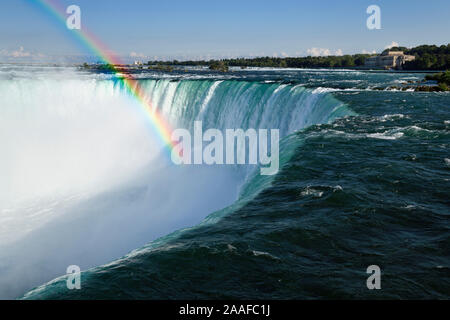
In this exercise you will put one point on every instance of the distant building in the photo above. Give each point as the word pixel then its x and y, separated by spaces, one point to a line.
pixel 388 60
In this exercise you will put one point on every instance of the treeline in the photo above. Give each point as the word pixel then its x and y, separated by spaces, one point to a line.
pixel 345 61
pixel 428 57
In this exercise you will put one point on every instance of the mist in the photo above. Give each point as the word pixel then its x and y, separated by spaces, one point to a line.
pixel 84 181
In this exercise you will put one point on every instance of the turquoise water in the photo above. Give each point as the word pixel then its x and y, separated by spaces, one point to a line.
pixel 364 180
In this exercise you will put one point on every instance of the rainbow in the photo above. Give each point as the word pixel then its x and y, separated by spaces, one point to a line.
pixel 93 44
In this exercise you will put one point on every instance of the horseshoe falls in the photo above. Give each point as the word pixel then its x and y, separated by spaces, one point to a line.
pixel 85 181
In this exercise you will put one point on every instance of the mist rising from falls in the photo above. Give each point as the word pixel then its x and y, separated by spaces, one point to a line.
pixel 84 180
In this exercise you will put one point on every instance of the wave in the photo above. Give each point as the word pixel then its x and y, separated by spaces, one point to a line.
pixel 86 181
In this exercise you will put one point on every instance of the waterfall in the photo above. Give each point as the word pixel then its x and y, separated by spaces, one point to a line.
pixel 83 177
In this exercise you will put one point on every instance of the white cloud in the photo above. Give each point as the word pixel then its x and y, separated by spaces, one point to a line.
pixel 316 52
pixel 137 55
pixel 20 53
pixel 393 44
pixel 368 52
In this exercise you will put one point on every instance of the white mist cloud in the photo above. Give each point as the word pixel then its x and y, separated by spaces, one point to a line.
pixel 94 183
pixel 368 52
pixel 20 53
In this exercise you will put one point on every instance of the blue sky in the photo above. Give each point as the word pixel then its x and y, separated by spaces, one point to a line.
pixel 180 29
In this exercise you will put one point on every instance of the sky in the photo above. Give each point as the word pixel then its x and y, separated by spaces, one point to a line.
pixel 204 29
